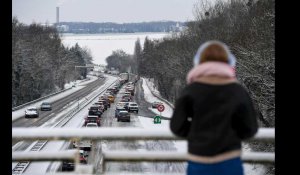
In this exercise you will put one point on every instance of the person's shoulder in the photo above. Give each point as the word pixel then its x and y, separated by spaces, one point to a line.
pixel 190 87
pixel 239 87
pixel 187 90
pixel 241 90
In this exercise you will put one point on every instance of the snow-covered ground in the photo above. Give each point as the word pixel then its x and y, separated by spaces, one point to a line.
pixel 89 78
pixel 148 123
pixel 138 121
pixel 76 121
pixel 81 84
pixel 151 85
pixel 149 97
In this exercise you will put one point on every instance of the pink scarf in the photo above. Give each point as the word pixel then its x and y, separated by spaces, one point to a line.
pixel 211 68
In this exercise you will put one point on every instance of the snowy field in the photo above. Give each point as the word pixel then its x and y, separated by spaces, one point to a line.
pixel 102 45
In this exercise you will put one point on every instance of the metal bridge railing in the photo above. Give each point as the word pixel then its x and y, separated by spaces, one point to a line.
pixel 264 135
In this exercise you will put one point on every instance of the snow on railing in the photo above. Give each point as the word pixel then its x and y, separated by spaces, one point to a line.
pixel 258 157
pixel 263 134
pixel 109 133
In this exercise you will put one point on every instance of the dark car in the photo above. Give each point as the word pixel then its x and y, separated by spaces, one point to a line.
pixel 117 87
pixel 82 157
pixel 67 166
pixel 46 106
pixel 95 110
pixel 113 90
pixel 123 116
pixel 105 103
pixel 126 106
pixel 118 109
pixel 100 105
pixel 131 90
pixel 83 160
pixel 92 119
pixel 126 98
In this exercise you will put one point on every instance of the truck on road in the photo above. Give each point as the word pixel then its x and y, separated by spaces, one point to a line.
pixel 84 145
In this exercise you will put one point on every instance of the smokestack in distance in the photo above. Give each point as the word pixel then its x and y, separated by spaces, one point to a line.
pixel 57 15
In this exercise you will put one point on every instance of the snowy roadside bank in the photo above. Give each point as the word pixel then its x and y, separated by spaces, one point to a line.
pixel 155 91
pixel 149 97
pixel 89 79
pixel 20 112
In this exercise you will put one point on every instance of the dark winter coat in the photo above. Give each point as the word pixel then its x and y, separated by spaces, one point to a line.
pixel 214 118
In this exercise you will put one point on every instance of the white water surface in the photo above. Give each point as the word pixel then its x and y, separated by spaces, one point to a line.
pixel 102 45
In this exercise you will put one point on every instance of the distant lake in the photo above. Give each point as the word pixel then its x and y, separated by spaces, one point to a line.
pixel 102 45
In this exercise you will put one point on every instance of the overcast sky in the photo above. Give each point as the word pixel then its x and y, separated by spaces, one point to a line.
pixel 120 11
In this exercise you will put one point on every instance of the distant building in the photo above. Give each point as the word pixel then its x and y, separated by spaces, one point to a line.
pixel 100 67
pixel 62 28
pixel 47 24
pixel 177 28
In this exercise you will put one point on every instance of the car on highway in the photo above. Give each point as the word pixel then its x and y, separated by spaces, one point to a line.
pixel 100 105
pixel 31 112
pixel 113 90
pixel 105 98
pixel 117 87
pixel 107 93
pixel 133 107
pixel 131 91
pixel 125 99
pixel 91 125
pixel 126 105
pixel 105 103
pixel 111 98
pixel 130 83
pixel 67 166
pixel 156 103
pixel 92 119
pixel 121 104
pixel 129 87
pixel 127 93
pixel 82 157
pixel 95 110
pixel 118 110
pixel 84 145
pixel 83 153
pixel 123 116
pixel 46 106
